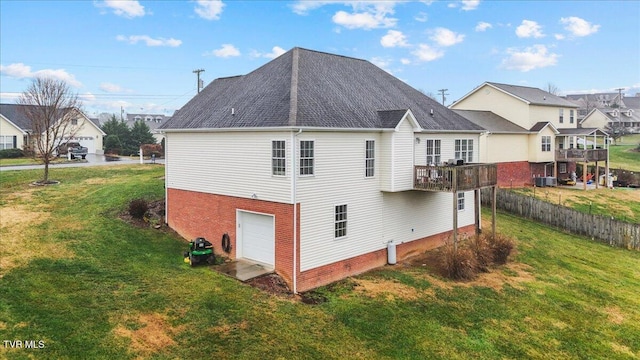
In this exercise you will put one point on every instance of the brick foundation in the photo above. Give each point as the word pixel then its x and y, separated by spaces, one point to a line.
pixel 339 270
pixel 194 214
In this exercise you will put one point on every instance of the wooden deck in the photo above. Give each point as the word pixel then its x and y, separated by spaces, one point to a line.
pixel 455 178
pixel 587 155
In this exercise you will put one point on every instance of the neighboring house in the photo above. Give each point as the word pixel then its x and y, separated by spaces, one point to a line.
pixel 552 128
pixel 153 121
pixel 314 163
pixel 15 130
pixel 603 118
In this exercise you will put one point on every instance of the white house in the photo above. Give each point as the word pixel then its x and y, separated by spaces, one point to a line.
pixel 314 163
pixel 16 130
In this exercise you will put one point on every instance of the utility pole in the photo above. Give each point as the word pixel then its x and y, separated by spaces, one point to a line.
pixel 442 92
pixel 620 96
pixel 199 84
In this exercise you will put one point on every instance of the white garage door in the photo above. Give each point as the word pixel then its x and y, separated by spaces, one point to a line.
pixel 257 237
pixel 88 142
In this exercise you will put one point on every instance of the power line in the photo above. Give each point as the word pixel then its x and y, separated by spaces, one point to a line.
pixel 442 92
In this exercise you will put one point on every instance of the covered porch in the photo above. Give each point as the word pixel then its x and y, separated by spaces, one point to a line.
pixel 584 145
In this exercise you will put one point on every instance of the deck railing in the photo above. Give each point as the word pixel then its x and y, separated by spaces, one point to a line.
pixel 581 154
pixel 455 178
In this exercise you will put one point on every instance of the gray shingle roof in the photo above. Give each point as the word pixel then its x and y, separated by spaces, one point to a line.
pixel 582 131
pixel 16 115
pixel 534 96
pixel 491 122
pixel 305 88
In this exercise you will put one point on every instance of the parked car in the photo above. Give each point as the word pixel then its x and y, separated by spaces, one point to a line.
pixel 73 147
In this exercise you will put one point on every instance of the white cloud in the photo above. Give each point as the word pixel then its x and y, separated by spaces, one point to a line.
pixel 227 50
pixel 134 39
pixel 425 52
pixel 483 26
pixel 275 52
pixel 382 63
pixel 558 36
pixel 470 4
pixel 209 9
pixel 124 8
pixel 530 58
pixel 579 27
pixel 421 17
pixel 22 71
pixel 404 61
pixel 394 38
pixel 111 88
pixel 528 29
pixel 363 15
pixel 363 20
pixel 303 7
pixel 446 37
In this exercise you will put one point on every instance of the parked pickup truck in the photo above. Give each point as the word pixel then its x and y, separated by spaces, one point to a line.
pixel 73 147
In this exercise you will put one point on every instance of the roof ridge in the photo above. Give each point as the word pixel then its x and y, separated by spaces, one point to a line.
pixel 293 94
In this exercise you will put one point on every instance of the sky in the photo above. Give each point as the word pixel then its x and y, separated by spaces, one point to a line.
pixel 140 56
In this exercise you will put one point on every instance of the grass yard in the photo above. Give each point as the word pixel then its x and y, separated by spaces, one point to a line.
pixel 90 286
pixel 623 155
pixel 621 203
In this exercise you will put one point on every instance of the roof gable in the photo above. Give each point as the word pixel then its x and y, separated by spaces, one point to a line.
pixel 540 126
pixel 305 88
pixel 525 94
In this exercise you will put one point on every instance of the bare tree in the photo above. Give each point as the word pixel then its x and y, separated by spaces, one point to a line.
pixel 553 89
pixel 53 112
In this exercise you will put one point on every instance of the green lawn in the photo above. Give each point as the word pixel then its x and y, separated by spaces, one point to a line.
pixel 90 286
pixel 623 155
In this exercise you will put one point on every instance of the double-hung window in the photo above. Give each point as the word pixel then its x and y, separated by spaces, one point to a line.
pixel 561 115
pixel 306 157
pixel 570 116
pixel 546 143
pixel 460 201
pixel 369 158
pixel 433 152
pixel 464 149
pixel 278 158
pixel 340 222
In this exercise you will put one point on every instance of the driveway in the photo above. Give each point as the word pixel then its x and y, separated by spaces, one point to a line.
pixel 92 160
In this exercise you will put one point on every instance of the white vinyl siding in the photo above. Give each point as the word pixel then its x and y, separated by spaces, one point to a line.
pixel 226 163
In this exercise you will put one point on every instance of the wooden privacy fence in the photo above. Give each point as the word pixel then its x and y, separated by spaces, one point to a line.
pixel 603 228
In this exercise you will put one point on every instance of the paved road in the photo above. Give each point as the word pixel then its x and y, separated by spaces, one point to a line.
pixel 92 160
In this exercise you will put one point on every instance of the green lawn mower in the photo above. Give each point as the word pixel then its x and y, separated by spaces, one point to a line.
pixel 200 251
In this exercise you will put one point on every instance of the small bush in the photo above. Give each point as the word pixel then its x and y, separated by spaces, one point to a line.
pixel 11 153
pixel 458 264
pixel 138 207
pixel 501 246
pixel 483 252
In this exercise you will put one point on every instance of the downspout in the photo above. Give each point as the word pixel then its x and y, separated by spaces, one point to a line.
pixel 294 190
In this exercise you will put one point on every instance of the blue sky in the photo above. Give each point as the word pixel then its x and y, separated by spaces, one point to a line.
pixel 140 55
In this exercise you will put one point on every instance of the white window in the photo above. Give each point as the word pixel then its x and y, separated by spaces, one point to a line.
pixel 433 152
pixel 340 224
pixel 561 115
pixel 460 201
pixel 369 158
pixel 546 143
pixel 464 149
pixel 306 157
pixel 562 168
pixel 571 116
pixel 7 142
pixel 278 158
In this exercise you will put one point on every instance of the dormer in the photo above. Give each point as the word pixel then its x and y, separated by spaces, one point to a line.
pixel 148 118
pixel 629 113
pixel 137 118
pixel 615 113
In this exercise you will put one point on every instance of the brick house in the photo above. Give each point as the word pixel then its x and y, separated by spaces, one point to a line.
pixel 314 163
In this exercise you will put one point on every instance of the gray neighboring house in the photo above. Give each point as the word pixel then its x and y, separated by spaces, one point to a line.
pixel 153 121
pixel 600 110
pixel 315 164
